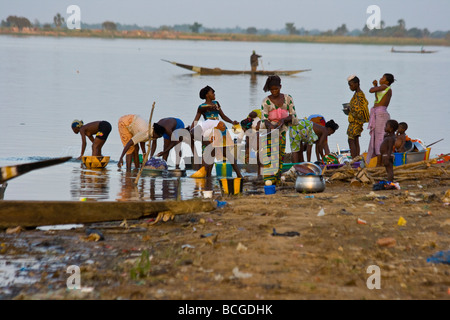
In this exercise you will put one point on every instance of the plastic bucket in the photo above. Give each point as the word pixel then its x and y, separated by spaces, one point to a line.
pixel 231 186
pixel 270 189
pixel 427 154
pixel 399 158
pixel 224 169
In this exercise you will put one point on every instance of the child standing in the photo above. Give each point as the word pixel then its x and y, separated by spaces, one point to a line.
pixel 386 148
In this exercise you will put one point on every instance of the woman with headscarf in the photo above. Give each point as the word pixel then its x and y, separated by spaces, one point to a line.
pixel 278 113
pixel 357 116
pixel 101 130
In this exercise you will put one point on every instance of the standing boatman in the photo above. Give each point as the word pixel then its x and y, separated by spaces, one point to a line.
pixel 254 60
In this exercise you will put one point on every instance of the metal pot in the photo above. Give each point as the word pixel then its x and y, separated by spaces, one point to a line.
pixel 309 183
pixel 346 108
pixel 308 166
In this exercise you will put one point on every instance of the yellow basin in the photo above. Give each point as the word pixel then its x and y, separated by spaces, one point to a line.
pixel 95 162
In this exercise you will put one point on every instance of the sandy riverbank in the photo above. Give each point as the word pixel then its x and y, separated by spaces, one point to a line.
pixel 231 252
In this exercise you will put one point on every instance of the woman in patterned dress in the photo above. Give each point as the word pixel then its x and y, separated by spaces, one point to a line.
pixel 278 113
pixel 358 115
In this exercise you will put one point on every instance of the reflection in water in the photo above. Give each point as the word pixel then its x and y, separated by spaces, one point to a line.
pixel 92 184
pixel 161 188
pixel 129 189
pixel 254 92
pixel 96 185
pixel 203 185
pixel 148 187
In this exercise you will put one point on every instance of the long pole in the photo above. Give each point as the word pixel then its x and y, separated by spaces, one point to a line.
pixel 150 134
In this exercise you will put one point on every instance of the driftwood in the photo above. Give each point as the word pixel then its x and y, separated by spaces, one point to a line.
pixel 412 171
pixel 42 213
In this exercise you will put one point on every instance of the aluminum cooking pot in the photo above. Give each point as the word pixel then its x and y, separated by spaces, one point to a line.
pixel 309 183
pixel 308 167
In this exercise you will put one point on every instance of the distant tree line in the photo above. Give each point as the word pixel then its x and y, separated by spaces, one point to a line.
pixel 398 30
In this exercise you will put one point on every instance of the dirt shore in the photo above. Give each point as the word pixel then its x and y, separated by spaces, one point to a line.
pixel 337 244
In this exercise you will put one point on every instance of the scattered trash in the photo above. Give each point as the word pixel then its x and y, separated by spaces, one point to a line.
pixel 345 212
pixel 360 221
pixel 401 222
pixel 309 197
pixel 187 246
pixel 18 229
pixel 386 185
pixel 321 213
pixel 241 247
pixel 221 204
pixel 440 257
pixel 446 198
pixel 285 234
pixel 387 242
pixel 206 235
pixel 94 235
pixel 240 275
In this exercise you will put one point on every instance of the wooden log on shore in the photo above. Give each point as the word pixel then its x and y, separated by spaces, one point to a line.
pixel 41 213
pixel 412 171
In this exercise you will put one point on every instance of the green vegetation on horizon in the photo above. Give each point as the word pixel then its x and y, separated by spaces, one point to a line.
pixel 390 35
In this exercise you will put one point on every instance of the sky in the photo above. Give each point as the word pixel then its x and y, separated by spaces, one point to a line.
pixel 261 14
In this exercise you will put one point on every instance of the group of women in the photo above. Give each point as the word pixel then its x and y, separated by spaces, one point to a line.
pixel 277 116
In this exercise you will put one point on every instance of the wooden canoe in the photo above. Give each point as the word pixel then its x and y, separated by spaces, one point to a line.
pixel 10 172
pixel 44 213
pixel 218 71
pixel 412 51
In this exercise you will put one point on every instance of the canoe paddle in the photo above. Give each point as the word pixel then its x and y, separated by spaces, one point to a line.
pixel 150 136
pixel 10 172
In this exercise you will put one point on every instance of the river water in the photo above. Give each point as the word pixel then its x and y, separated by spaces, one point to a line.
pixel 45 83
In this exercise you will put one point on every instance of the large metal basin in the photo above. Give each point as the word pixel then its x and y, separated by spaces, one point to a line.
pixel 309 183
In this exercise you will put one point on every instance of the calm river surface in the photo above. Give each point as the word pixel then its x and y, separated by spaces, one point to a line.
pixel 45 83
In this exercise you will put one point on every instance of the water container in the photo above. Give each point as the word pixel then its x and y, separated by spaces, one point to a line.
pixel 270 189
pixel 224 169
pixel 399 158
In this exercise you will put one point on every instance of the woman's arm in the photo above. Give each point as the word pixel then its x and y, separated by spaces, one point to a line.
pixel 377 88
pixel 224 117
pixel 83 143
pixel 197 117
